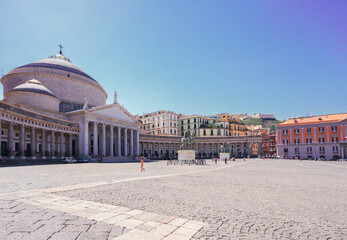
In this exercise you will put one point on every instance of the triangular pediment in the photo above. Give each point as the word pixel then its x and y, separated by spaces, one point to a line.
pixel 114 111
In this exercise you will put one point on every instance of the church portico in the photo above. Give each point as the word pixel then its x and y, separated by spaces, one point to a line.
pixel 24 133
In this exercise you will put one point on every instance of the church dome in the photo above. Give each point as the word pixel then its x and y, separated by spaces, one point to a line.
pixel 66 81
pixel 33 86
pixel 59 62
pixel 33 93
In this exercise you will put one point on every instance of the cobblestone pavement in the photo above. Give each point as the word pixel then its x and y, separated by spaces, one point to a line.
pixel 258 199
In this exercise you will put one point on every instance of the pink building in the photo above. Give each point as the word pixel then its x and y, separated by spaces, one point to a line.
pixel 313 137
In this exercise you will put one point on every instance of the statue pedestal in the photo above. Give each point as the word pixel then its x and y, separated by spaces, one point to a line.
pixel 186 156
pixel 222 156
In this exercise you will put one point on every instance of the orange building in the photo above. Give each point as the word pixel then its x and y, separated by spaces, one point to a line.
pixel 313 137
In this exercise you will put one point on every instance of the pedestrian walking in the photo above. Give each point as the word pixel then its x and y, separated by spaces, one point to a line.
pixel 244 159
pixel 142 169
pixel 225 160
pixel 215 160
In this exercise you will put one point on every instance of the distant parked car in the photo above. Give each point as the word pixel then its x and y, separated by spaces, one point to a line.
pixel 69 160
pixel 82 160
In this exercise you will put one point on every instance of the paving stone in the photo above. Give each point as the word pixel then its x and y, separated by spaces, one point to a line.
pixel 261 199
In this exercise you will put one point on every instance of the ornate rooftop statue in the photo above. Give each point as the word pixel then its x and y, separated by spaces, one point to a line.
pixel 188 139
pixel 225 148
pixel 115 98
pixel 85 106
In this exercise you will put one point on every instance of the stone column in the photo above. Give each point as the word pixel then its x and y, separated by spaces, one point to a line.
pixel 197 149
pixel 212 149
pixel 138 142
pixel 119 143
pixel 143 149
pixel 175 149
pixel 70 144
pixel 21 140
pixel 95 139
pixel 125 142
pixel 169 149
pixel 43 142
pixel 0 136
pixel 242 150
pixel 164 149
pixel 314 135
pixel 62 150
pixel 83 139
pixel 111 141
pixel 158 149
pixel 131 142
pixel 103 140
pixel 290 136
pixel 10 139
pixel 341 133
pixel 302 136
pixel 327 134
pixel 147 149
pixel 53 143
pixel 33 142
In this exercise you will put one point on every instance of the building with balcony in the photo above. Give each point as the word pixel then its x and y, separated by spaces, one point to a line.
pixel 159 123
pixel 313 137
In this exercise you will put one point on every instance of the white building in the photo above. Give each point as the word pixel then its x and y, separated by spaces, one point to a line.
pixel 159 123
pixel 262 116
pixel 52 108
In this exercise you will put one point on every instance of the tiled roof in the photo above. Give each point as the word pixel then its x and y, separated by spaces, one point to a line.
pixel 315 119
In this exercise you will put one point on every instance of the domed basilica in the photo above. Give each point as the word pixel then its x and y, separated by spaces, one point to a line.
pixel 53 108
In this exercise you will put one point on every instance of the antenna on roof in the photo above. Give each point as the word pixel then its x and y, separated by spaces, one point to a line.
pixel 61 47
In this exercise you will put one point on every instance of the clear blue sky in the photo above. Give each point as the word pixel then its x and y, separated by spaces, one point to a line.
pixel 195 57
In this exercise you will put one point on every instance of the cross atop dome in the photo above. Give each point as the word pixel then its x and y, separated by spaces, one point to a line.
pixel 61 47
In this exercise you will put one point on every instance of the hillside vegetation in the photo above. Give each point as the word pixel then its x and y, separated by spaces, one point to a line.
pixel 265 123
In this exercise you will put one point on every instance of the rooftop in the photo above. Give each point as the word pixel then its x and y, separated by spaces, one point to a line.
pixel 315 119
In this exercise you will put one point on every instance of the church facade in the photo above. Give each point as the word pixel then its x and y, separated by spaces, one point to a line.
pixel 51 108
